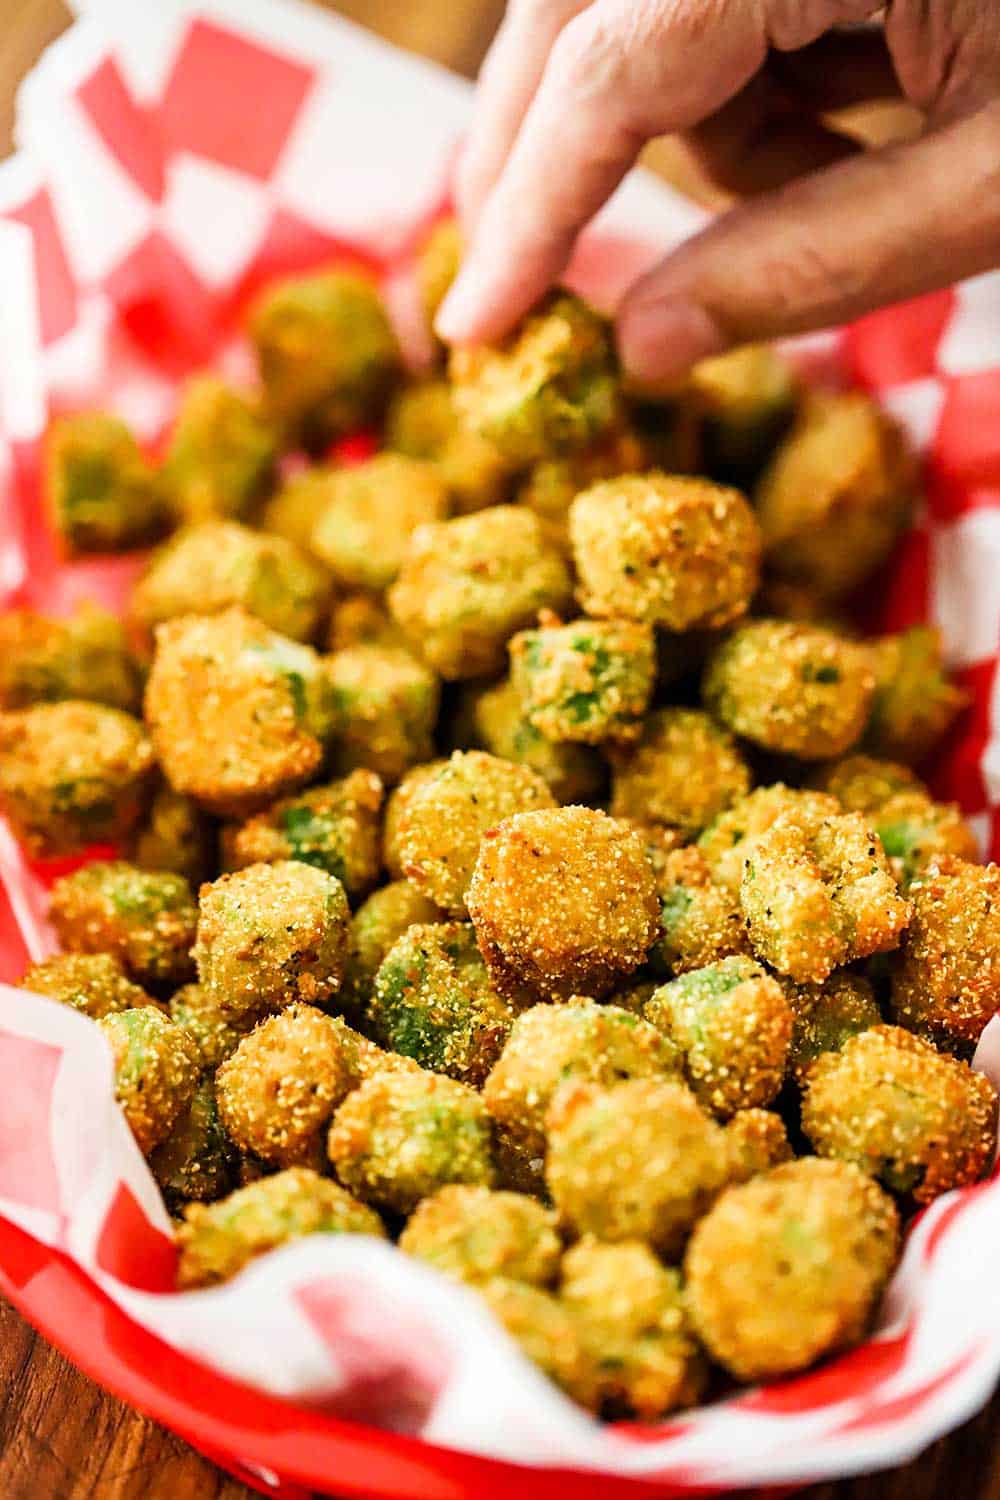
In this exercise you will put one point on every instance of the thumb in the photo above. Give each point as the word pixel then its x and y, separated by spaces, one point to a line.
pixel 829 247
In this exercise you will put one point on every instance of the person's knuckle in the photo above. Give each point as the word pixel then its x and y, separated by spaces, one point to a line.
pixel 588 58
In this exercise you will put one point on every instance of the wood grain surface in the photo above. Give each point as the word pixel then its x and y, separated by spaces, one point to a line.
pixel 61 1437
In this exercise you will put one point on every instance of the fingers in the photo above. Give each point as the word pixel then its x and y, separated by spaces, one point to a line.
pixel 870 231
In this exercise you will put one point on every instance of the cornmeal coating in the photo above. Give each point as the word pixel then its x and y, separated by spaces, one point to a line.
pixel 93 983
pixel 727 840
pixel 437 264
pixel 73 774
pixel 589 681
pixel 86 655
pixel 467 585
pixel 745 400
pixel 216 1241
pixel 395 807
pixel 563 902
pixel 550 486
pixel 215 1035
pixel 298 503
pixel 385 705
pixel 423 423
pixel 917 832
pixel 817 899
pixel 196 1162
pixel 378 922
pixel 101 494
pixel 683 771
pixel 442 824
pixel 156 1071
pixel 702 921
pixel 548 1333
pixel 475 1233
pixel 826 1016
pixel 372 510
pixel 920 1121
pixel 915 701
pixel 175 834
pixel 363 620
pixel 865 783
pixel 144 918
pixel 222 455
pixel 679 552
pixel 756 1140
pixel 789 1267
pixel 572 772
pixel 796 689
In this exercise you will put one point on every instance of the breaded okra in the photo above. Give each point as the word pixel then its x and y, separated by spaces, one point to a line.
pixel 102 495
pixel 156 1071
pixel 222 454
pixel 83 656
pixel 474 1233
pixel 144 918
pixel 682 771
pixel 372 510
pixel 385 704
pixel 590 681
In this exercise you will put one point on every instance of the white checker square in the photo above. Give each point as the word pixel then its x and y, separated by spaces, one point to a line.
pixel 917 406
pixel 969 343
pixel 965 585
pixel 215 216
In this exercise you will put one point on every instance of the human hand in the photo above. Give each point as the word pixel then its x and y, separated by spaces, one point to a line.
pixel 571 92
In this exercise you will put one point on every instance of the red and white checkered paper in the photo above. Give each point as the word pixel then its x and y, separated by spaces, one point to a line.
pixel 172 157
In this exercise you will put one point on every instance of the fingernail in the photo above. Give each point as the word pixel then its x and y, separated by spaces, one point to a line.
pixel 455 319
pixel 659 341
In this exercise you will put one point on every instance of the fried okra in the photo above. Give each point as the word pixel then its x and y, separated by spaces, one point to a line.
pixel 395 807
pixel 372 510
pixel 238 714
pixel 637 1161
pixel 796 689
pixel 864 784
pixel 102 494
pixel 549 389
pixel 756 1140
pixel 590 681
pixel 196 1162
pixel 214 565
pixel 334 827
pixel 728 838
pixel 837 494
pixel 292 512
pixel 437 265
pixel 222 455
pixel 443 822
pixel 915 701
pixel 433 1001
pixel 702 921
pixel 73 774
pixel 745 401
pixel 572 772
pixel 217 1240
pixel 85 656
pixel 475 1233
pixel 278 1090
pixel 215 1035
pixel 363 620
pixel 401 1136
pixel 635 1326
pixel 678 552
pixel 328 356
pixel 817 899
pixel 550 486
pixel 468 584
pixel 176 835
pixel 826 1016
pixel 547 1332
pixel 733 1026
pixel 563 901
pixel 93 983
pixel 271 934
pixel 946 976
pixel 385 705
pixel 683 770
pixel 156 1071
pixel 375 927
pixel 423 423
pixel 917 832
pixel 145 918
pixel 789 1267
pixel 920 1121
pixel 549 1044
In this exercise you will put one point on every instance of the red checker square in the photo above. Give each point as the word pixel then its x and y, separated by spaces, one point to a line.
pixel 843 1379
pixel 898 344
pixel 966 450
pixel 57 297
pixel 956 774
pixel 292 245
pixel 132 1248
pixel 232 100
pixel 164 307
pixel 28 1176
pixel 125 128
pixel 897 595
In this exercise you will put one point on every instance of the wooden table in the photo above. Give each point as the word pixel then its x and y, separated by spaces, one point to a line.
pixel 61 1436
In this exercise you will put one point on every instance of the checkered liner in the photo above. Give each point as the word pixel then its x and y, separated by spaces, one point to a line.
pixel 172 158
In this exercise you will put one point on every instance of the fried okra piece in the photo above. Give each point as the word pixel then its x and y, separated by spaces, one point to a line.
pixel 328 356
pixel 102 495
pixel 196 1162
pixel 372 510
pixel 745 401
pixel 551 388
pixel 475 1233
pixel 222 455
pixel 563 901
pixel 433 1001
pixel 73 774
pixel 385 705
pixel 271 934
pixel 292 512
pixel 915 701
pixel 796 689
pixel 917 833
pixel 702 921
pixel 93 983
pixel 145 918
pixel 363 620
pixel 572 772
pixel 377 924
pixel 733 1026
pixel 727 840
pixel 467 585
pixel 395 807
pixel 826 1016
pixel 443 822
pixel 437 265
pixel 547 1332
pixel 682 771
pixel 920 1121
pixel 946 976
pixel 837 494
pixel 214 565
pixel 590 681
pixel 635 1326
pixel 862 783
pixel 176 835
pixel 551 485
pixel 238 714
pixel 334 827
pixel 216 1241
pixel 756 1140
pixel 85 656
pixel 422 423
pixel 789 1267
pixel 401 1136
pixel 678 552
pixel 816 900
pixel 277 1092
pixel 216 1036
pixel 156 1071
pixel 637 1161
